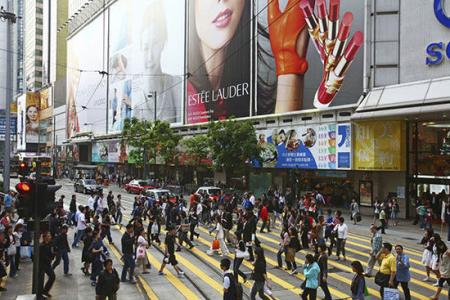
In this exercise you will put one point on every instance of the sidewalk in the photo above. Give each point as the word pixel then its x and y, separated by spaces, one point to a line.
pixel 75 287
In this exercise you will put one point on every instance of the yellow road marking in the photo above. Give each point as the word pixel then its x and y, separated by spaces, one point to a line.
pixel 348 269
pixel 148 290
pixel 175 281
pixel 286 285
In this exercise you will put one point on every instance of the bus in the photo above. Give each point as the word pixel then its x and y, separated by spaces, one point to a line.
pixel 31 159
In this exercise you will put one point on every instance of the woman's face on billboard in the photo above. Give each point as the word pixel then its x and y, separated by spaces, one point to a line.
pixel 216 21
pixel 32 113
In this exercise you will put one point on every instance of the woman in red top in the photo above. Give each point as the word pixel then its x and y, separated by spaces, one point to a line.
pixel 265 218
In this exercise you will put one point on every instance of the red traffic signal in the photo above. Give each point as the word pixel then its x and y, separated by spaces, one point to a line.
pixel 23 169
pixel 23 187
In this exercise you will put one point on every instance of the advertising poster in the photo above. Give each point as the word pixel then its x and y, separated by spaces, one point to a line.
pixel 377 145
pixel 86 87
pixel 302 147
pixel 344 146
pixel 145 62
pixel 291 73
pixel 32 118
pixel 21 109
pixel 109 152
pixel 365 193
pixel 219 60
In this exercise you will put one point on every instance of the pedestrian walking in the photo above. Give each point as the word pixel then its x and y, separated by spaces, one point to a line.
pixel 259 275
pixel 169 252
pixel 220 236
pixel 119 214
pixel 62 250
pixel 12 243
pixel 421 212
pixel 395 212
pixel 283 247
pixel 86 255
pixel 249 232
pixel 106 226
pixel 403 275
pixel 46 256
pixel 108 282
pixel 230 282
pixel 72 211
pixel 81 226
pixel 341 230
pixel 3 247
pixel 444 269
pixel 18 233
pixel 354 208
pixel 439 248
pixel 292 248
pixel 141 252
pixel 376 242
pixel 96 250
pixel 311 271
pixel 388 269
pixel 127 254
pixel 240 254
pixel 193 221
pixel 264 214
pixel 428 242
pixel 322 261
pixel 358 285
pixel 382 218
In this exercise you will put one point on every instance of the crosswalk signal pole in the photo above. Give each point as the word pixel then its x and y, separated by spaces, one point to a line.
pixel 11 19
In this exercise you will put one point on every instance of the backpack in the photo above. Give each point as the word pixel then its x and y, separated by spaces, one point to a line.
pixel 235 287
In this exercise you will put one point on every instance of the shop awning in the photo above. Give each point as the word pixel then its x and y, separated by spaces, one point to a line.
pixel 406 100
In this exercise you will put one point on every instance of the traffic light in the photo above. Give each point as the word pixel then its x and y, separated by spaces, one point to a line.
pixel 23 169
pixel 46 198
pixel 25 201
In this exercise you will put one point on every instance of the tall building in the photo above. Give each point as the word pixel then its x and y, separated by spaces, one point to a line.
pixel 36 43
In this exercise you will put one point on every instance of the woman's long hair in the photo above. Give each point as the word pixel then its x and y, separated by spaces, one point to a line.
pixel 236 64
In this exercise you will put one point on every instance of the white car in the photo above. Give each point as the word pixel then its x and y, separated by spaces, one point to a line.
pixel 158 193
pixel 212 191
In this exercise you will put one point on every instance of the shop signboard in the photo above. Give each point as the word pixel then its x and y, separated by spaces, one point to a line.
pixel 344 146
pixel 365 193
pixel 304 147
pixel 109 152
pixel 379 145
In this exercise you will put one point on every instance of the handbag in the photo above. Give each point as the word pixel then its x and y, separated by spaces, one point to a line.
pixel 140 252
pixel 12 250
pixel 215 245
pixel 382 279
pixel 358 217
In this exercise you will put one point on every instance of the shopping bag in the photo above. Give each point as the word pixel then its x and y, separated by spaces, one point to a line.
pixel 391 294
pixel 25 252
pixel 215 245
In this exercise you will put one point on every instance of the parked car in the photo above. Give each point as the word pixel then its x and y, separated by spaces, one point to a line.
pixel 212 191
pixel 158 193
pixel 136 186
pixel 87 186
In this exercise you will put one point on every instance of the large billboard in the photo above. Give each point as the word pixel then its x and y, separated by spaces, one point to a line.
pixel 219 60
pixel 86 83
pixel 146 61
pixel 32 117
pixel 324 146
pixel 109 152
pixel 304 54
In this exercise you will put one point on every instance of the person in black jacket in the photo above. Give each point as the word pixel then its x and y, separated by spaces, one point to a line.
pixel 248 232
pixel 128 252
pixel 45 266
pixel 229 281
pixel 259 275
pixel 108 282
pixel 62 250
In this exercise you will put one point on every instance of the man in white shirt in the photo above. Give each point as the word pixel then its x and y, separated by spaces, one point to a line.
pixel 81 227
pixel 91 202
pixel 342 234
pixel 100 205
pixel 252 199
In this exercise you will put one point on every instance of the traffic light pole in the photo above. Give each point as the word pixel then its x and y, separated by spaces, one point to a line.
pixel 37 232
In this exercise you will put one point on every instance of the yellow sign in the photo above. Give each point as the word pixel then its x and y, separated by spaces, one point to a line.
pixel 379 145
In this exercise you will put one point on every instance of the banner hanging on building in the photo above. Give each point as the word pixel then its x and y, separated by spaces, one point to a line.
pixel 145 61
pixel 109 152
pixel 305 147
pixel 219 56
pixel 297 70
